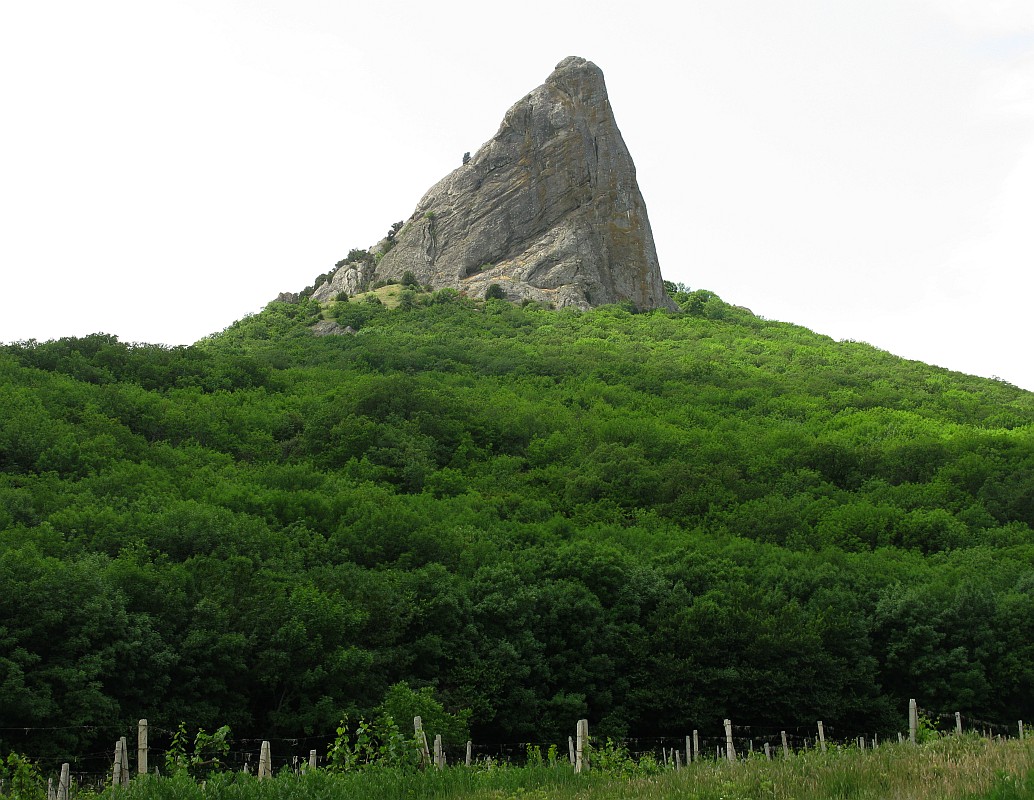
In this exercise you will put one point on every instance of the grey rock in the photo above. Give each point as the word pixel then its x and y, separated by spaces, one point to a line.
pixel 288 297
pixel 549 209
pixel 349 278
pixel 328 327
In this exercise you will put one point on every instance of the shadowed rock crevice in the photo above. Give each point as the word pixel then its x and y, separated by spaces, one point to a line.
pixel 549 208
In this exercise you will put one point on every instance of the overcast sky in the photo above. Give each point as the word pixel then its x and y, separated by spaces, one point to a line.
pixel 861 167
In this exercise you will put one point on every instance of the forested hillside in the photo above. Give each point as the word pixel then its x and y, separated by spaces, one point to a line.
pixel 651 520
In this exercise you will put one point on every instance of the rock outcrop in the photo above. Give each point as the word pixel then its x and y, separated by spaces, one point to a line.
pixel 548 209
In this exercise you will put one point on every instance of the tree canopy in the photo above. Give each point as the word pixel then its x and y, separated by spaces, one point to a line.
pixel 650 520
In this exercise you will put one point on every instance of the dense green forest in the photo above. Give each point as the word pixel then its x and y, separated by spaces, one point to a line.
pixel 651 520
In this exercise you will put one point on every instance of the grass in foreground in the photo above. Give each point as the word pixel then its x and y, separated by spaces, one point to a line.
pixel 950 769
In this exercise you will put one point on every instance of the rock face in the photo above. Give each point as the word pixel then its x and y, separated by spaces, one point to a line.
pixel 350 278
pixel 548 209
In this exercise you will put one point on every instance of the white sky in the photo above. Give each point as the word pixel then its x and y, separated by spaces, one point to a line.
pixel 861 167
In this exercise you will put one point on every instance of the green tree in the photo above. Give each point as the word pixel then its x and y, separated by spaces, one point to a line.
pixel 403 703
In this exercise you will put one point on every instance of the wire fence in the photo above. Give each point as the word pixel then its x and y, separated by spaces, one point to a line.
pixel 92 770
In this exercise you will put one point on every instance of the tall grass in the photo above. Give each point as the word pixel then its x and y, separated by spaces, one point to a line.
pixel 966 768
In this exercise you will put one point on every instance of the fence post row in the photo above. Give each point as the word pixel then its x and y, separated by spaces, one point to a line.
pixel 578 750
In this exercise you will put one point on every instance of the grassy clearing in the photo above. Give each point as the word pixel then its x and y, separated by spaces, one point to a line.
pixel 950 769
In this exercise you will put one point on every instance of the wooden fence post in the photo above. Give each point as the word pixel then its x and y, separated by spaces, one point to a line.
pixel 470 753
pixel 1019 724
pixel 730 751
pixel 265 767
pixel 421 741
pixel 312 760
pixel 822 737
pixel 901 739
pixel 116 768
pixel 51 792
pixel 141 747
pixel 689 750
pixel 570 749
pixel 439 752
pixel 120 770
pixel 696 745
pixel 958 723
pixel 768 751
pixel 786 750
pixel 581 760
pixel 63 783
pixel 913 720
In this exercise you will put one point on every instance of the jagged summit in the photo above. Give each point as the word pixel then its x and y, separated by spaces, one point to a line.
pixel 548 209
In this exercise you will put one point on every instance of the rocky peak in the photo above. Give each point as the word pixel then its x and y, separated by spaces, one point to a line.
pixel 548 209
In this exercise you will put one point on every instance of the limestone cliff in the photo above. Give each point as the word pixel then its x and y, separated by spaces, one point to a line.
pixel 548 209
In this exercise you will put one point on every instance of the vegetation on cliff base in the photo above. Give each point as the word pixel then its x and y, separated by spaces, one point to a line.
pixel 651 520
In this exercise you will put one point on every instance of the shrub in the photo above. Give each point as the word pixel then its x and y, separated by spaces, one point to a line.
pixel 357 315
pixel 445 295
pixel 495 292
pixel 407 300
pixel 204 758
pixel 403 703
pixel 379 743
pixel 316 284
pixel 357 254
pixel 24 780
